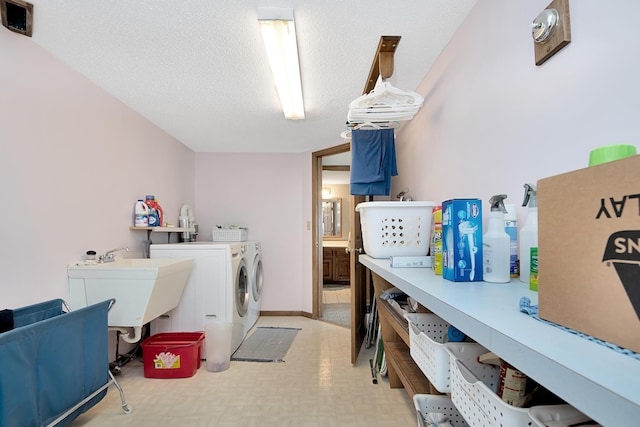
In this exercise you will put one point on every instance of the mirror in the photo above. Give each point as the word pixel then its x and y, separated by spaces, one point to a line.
pixel 331 218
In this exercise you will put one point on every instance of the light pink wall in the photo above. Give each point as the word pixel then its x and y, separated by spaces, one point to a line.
pixel 269 194
pixel 493 120
pixel 73 161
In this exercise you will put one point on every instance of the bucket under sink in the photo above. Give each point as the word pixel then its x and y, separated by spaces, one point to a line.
pixel 143 288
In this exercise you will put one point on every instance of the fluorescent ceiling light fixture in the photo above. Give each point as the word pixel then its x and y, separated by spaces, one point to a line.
pixel 279 34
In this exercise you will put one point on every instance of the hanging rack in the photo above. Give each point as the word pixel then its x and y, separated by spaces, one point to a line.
pixel 346 134
pixel 382 64
pixel 384 102
pixel 381 101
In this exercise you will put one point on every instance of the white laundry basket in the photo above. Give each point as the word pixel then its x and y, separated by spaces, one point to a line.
pixel 230 234
pixel 473 390
pixel 427 333
pixel 426 404
pixel 557 415
pixel 396 228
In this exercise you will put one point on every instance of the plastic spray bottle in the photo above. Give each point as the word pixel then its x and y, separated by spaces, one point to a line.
pixel 529 232
pixel 511 227
pixel 496 244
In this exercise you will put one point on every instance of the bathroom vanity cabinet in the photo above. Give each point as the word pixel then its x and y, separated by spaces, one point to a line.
pixel 596 380
pixel 335 265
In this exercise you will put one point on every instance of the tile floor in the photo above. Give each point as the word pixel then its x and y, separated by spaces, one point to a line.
pixel 316 386
pixel 336 295
pixel 336 305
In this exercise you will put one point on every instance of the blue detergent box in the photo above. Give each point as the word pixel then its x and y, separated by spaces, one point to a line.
pixel 462 240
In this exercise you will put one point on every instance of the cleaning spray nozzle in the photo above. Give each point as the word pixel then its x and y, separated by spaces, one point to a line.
pixel 530 196
pixel 497 203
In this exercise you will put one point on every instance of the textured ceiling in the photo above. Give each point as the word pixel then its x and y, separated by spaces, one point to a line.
pixel 198 69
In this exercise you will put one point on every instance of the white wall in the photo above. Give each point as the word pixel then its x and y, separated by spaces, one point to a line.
pixel 73 161
pixel 493 120
pixel 268 193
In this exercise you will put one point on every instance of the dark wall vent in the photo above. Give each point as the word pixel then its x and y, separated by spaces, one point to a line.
pixel 17 15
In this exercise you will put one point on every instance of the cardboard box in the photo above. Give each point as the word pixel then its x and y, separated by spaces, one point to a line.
pixel 589 251
pixel 462 240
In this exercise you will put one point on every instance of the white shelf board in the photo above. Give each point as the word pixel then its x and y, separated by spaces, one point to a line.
pixel 164 229
pixel 596 380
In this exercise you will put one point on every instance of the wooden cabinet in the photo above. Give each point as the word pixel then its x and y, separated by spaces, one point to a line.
pixel 327 265
pixel 335 265
pixel 341 266
pixel 401 369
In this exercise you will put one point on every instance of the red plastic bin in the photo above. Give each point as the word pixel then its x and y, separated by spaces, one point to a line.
pixel 172 354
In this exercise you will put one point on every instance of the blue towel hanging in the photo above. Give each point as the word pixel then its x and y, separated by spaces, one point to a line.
pixel 373 161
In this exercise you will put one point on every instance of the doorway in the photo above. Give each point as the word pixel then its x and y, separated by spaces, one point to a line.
pixel 353 239
pixel 335 229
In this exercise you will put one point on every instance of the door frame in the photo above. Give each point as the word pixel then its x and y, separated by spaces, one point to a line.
pixel 316 214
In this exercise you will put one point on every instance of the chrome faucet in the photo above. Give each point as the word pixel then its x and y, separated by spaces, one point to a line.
pixel 110 256
pixel 404 195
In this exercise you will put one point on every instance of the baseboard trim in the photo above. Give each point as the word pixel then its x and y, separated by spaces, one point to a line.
pixel 286 313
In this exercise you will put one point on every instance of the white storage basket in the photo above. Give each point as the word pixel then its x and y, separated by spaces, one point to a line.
pixel 473 390
pixel 427 333
pixel 396 228
pixel 429 404
pixel 558 415
pixel 230 234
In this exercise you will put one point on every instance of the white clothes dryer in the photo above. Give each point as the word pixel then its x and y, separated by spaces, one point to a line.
pixel 217 289
pixel 256 279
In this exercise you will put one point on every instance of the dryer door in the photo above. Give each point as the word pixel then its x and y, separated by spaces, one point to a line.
pixel 242 289
pixel 256 283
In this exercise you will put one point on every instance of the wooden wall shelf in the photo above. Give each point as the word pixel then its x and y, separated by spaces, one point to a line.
pixel 598 381
pixel 401 368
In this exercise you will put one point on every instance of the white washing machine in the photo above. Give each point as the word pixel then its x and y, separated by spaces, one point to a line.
pixel 217 289
pixel 254 262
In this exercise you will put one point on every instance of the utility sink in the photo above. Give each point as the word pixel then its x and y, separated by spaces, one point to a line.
pixel 143 288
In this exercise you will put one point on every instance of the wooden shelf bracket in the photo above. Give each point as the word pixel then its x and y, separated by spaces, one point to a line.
pixel 383 61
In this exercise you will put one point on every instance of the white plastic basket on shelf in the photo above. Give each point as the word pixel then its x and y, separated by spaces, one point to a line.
pixel 558 415
pixel 426 404
pixel 473 390
pixel 396 228
pixel 230 234
pixel 427 333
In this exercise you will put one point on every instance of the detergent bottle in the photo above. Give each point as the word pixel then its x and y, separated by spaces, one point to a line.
pixel 496 252
pixel 141 214
pixel 154 216
pixel 529 232
pixel 160 212
pixel 436 241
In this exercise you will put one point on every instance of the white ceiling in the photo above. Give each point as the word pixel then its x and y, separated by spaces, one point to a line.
pixel 198 69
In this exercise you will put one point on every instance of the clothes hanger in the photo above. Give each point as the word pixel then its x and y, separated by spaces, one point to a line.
pixel 346 134
pixel 386 95
pixel 377 125
pixel 385 102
